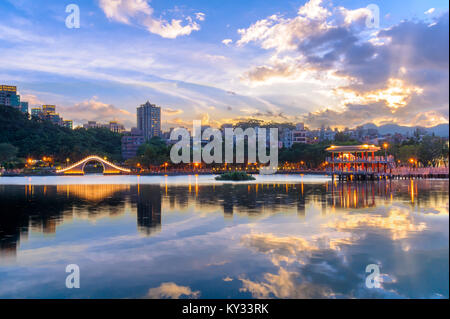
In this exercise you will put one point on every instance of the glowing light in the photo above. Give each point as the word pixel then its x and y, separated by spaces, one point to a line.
pixel 396 94
pixel 96 158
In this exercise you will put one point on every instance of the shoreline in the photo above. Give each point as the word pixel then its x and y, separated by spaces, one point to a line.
pixel 162 174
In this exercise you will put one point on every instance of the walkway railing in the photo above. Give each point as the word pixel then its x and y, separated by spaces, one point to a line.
pixel 369 160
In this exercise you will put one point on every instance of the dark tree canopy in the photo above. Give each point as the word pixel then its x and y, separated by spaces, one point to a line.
pixel 36 138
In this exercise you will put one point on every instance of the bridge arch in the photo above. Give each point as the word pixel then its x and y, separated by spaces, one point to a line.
pixel 78 167
pixel 92 161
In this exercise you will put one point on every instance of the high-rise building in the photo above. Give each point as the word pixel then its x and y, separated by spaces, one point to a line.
pixel 24 107
pixel 36 111
pixel 8 96
pixel 93 124
pixel 299 134
pixel 113 126
pixel 286 137
pixel 116 127
pixel 131 143
pixel 48 109
pixel 68 124
pixel 149 120
pixel 54 118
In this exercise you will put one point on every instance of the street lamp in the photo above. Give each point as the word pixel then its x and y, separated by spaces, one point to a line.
pixel 412 161
pixel 385 146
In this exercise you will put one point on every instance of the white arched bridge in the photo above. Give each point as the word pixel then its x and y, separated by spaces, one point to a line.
pixel 78 167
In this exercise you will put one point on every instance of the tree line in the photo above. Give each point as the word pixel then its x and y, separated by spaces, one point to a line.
pixel 23 138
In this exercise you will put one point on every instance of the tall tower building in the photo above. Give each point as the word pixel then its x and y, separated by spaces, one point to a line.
pixel 8 96
pixel 24 107
pixel 149 120
pixel 48 109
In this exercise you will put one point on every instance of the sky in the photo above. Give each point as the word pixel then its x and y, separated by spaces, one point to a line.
pixel 319 62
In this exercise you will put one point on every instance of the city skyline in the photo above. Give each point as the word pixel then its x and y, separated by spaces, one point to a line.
pixel 315 62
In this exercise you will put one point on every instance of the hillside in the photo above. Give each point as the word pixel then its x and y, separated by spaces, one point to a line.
pixel 438 130
pixel 35 138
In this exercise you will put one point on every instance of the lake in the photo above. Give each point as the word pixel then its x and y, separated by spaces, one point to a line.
pixel 281 236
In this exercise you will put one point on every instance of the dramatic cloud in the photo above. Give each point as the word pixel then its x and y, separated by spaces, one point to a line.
pixel 94 110
pixel 404 66
pixel 284 285
pixel 172 291
pixel 140 12
pixel 399 222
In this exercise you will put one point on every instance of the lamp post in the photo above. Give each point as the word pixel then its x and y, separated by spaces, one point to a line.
pixel 412 161
pixel 385 146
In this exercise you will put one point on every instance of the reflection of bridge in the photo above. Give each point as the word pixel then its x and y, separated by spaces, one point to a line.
pixel 78 167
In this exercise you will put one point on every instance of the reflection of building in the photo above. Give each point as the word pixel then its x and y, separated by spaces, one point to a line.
pixel 149 120
pixel 149 209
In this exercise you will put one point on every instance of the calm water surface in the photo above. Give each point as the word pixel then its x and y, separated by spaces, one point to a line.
pixel 189 237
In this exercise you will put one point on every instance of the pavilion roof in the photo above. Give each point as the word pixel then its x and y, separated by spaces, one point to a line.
pixel 353 148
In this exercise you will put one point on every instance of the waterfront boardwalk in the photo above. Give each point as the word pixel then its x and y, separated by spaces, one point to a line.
pixel 395 173
pixel 358 162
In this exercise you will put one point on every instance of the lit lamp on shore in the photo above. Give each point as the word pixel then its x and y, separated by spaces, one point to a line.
pixel 385 146
pixel 412 161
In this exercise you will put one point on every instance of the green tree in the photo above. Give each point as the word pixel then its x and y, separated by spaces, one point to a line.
pixel 8 152
pixel 154 152
pixel 431 150
pixel 37 138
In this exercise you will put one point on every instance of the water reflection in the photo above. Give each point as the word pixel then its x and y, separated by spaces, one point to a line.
pixel 283 240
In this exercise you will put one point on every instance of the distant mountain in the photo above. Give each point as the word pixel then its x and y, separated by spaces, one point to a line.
pixel 438 130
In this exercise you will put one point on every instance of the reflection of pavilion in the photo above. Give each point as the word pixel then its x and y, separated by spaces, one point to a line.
pixel 358 194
